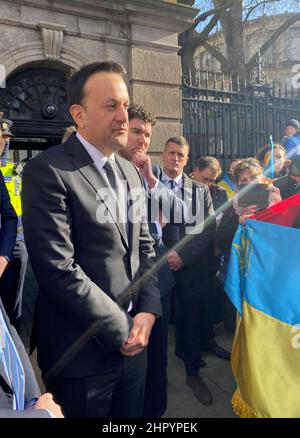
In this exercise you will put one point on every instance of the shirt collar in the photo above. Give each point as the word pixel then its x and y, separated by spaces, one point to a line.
pixel 178 179
pixel 97 156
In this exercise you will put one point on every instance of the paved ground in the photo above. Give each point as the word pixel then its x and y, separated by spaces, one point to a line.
pixel 182 403
pixel 217 375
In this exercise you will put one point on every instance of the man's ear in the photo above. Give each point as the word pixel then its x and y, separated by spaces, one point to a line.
pixel 78 115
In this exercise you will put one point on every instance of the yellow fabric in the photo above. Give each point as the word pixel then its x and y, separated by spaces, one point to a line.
pixel 266 363
pixel 267 158
pixel 240 407
pixel 229 191
pixel 14 186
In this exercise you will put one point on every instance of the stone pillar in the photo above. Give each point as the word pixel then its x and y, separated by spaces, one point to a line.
pixel 155 68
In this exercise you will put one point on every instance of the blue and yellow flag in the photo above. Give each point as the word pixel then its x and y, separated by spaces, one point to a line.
pixel 263 283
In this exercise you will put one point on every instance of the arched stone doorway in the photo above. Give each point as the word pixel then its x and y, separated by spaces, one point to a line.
pixel 35 100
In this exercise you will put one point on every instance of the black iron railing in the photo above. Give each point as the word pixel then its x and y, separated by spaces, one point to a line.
pixel 229 124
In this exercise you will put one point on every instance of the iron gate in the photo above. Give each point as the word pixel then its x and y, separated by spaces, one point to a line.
pixel 229 124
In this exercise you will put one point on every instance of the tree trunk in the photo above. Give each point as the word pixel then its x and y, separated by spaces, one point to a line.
pixel 232 26
pixel 189 41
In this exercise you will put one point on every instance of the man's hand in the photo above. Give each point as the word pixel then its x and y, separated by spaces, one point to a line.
pixel 46 401
pixel 175 261
pixel 3 264
pixel 143 163
pixel 139 335
pixel 274 195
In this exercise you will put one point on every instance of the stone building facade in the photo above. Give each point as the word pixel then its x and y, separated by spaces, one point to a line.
pixel 42 41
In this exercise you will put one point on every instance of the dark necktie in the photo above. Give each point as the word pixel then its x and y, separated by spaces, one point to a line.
pixel 171 231
pixel 172 183
pixel 111 173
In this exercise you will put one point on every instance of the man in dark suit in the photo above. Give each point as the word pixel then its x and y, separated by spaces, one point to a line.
pixel 98 300
pixel 141 123
pixel 191 259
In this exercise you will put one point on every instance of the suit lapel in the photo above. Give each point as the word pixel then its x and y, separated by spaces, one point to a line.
pixel 127 177
pixel 187 189
pixel 85 165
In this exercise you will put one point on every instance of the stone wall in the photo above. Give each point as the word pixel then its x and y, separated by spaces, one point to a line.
pixel 69 33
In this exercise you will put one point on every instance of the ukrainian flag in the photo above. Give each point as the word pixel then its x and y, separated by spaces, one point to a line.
pixel 263 282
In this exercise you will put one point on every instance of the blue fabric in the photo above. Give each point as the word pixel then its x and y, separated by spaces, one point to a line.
pixel 228 181
pixel 292 147
pixel 262 255
pixel 12 365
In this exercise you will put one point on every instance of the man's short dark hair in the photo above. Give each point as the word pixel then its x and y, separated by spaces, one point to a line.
pixel 181 141
pixel 77 81
pixel 209 162
pixel 138 112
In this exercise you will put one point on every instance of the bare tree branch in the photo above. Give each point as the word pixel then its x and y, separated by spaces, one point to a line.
pixel 213 11
pixel 215 53
pixel 251 9
pixel 251 63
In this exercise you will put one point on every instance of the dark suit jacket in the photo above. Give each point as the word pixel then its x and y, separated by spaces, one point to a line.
pixel 197 250
pixel 165 276
pixel 31 385
pixel 87 271
pixel 9 220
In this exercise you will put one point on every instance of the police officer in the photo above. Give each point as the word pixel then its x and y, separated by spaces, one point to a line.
pixel 12 281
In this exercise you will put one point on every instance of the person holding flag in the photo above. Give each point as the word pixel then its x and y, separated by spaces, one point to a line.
pixel 247 171
pixel 279 162
pixel 266 292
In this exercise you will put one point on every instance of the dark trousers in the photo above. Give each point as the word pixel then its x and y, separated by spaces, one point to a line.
pixel 155 401
pixel 12 283
pixel 119 392
pixel 193 321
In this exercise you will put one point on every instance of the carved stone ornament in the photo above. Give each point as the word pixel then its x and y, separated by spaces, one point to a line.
pixel 52 39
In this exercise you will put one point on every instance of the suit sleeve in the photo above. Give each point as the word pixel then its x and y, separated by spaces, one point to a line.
pixel 31 386
pixel 9 222
pixel 201 235
pixel 149 294
pixel 47 221
pixel 10 413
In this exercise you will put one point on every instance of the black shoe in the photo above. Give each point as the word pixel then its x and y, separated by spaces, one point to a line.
pixel 200 390
pixel 180 355
pixel 219 351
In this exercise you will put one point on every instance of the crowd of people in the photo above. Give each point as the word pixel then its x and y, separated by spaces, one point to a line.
pixel 119 246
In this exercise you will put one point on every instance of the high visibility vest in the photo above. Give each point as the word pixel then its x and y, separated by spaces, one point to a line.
pixel 13 183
